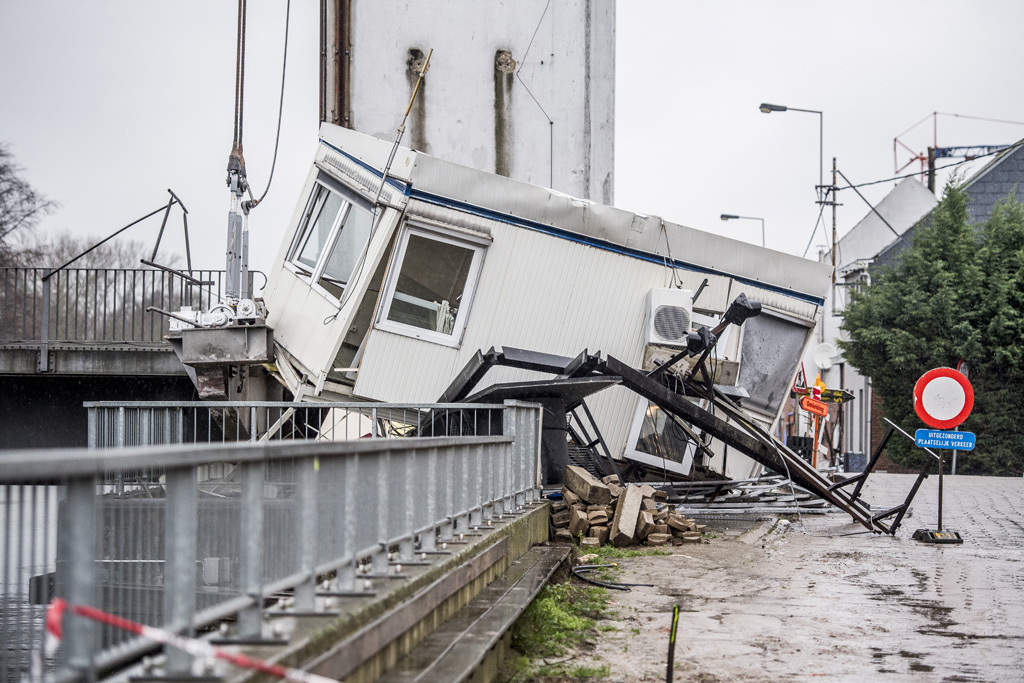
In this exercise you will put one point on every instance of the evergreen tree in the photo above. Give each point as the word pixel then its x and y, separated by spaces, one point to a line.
pixel 956 294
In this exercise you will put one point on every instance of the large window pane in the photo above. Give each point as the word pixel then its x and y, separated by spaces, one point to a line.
pixel 351 240
pixel 771 352
pixel 315 240
pixel 431 284
pixel 662 437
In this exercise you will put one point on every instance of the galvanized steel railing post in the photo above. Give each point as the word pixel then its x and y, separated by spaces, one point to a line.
pixel 79 574
pixel 409 504
pixel 488 493
pixel 444 487
pixel 379 559
pixel 428 492
pixel 521 422
pixel 307 533
pixel 92 439
pixel 250 619
pixel 119 428
pixel 181 526
pixel 43 363
pixel 473 487
pixel 346 577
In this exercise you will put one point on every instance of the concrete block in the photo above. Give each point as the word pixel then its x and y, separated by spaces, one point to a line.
pixel 644 524
pixel 560 519
pixel 647 490
pixel 691 538
pixel 599 532
pixel 658 539
pixel 661 529
pixel 569 497
pixel 649 504
pixel 677 521
pixel 599 516
pixel 579 523
pixel 615 490
pixel 563 536
pixel 611 479
pixel 623 529
pixel 590 542
pixel 584 485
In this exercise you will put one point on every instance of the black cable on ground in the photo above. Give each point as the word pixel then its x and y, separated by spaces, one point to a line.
pixel 578 571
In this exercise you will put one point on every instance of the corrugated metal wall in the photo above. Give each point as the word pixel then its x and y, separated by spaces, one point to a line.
pixel 539 293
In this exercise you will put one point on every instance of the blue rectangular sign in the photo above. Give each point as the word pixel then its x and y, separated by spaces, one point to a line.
pixel 936 438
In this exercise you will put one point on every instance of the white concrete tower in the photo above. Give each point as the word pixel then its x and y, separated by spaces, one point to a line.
pixel 522 88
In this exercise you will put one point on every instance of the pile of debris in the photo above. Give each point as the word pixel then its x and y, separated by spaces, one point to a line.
pixel 594 512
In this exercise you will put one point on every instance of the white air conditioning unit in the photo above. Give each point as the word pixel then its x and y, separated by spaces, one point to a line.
pixel 669 313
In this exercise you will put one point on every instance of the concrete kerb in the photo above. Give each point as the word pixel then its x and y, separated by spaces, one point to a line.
pixel 318 641
pixel 755 534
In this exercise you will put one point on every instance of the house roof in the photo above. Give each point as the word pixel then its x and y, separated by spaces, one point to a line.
pixel 908 201
pixel 1000 176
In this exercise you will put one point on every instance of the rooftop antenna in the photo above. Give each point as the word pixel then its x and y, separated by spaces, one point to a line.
pixel 927 160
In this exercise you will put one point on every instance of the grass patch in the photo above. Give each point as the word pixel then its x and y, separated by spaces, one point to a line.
pixel 609 552
pixel 557 623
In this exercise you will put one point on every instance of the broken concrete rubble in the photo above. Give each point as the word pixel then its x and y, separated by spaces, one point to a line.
pixel 632 514
pixel 586 486
pixel 626 513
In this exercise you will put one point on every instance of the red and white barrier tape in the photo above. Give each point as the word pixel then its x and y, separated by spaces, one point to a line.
pixel 192 646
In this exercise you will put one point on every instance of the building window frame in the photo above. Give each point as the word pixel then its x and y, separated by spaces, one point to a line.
pixel 324 188
pixel 453 338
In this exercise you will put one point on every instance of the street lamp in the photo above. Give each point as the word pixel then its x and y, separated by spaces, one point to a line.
pixel 769 108
pixel 729 216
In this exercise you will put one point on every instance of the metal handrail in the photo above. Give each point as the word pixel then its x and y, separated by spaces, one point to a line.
pixel 194 541
pixel 39 307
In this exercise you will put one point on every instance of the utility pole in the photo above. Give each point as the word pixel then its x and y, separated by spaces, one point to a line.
pixel 931 170
pixel 834 240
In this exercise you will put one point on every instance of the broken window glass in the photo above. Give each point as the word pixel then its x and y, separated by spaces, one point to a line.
pixel 352 235
pixel 661 436
pixel 334 232
pixel 434 283
pixel 326 208
pixel 772 346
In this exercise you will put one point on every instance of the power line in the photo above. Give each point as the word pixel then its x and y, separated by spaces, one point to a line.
pixel 938 168
pixel 815 231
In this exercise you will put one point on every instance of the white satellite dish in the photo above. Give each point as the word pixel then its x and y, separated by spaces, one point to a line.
pixel 823 355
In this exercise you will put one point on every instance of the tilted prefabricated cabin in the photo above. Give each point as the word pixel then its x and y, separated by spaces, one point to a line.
pixel 384 293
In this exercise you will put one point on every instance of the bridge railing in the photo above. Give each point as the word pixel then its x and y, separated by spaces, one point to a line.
pixel 136 423
pixel 214 531
pixel 99 305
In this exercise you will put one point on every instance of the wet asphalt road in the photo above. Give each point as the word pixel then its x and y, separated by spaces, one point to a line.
pixel 819 599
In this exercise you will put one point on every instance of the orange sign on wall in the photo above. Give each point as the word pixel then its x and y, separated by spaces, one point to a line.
pixel 814 407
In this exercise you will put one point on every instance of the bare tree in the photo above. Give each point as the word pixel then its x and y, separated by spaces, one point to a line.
pixel 21 208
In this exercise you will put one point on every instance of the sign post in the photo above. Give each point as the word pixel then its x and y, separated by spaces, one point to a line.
pixel 819 410
pixel 943 398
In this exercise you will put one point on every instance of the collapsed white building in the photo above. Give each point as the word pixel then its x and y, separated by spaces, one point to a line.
pixel 383 293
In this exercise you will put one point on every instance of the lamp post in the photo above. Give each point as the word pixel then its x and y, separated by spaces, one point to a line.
pixel 769 108
pixel 732 217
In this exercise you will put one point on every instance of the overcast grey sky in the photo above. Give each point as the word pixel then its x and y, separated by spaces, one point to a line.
pixel 107 103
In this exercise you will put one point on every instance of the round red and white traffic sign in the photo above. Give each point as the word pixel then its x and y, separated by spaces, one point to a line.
pixel 943 398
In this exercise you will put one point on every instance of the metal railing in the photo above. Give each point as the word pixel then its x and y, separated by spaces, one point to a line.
pixel 138 423
pixel 211 531
pixel 98 305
